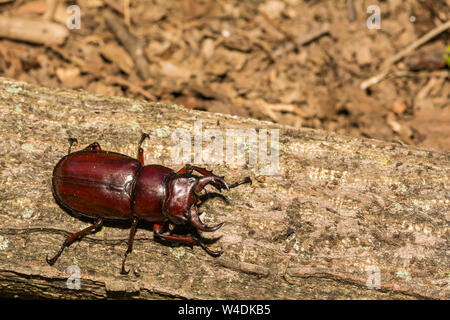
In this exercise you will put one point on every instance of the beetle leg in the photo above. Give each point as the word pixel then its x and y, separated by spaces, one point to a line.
pixel 93 147
pixel 71 142
pixel 158 230
pixel 130 244
pixel 140 150
pixel 70 239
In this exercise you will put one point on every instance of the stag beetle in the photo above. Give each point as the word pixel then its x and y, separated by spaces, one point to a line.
pixel 107 185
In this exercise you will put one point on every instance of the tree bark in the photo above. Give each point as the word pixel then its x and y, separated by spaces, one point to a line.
pixel 339 214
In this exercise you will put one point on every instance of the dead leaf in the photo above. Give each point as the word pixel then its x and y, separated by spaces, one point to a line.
pixel 144 14
pixel 100 88
pixel 61 15
pixel 69 77
pixel 90 3
pixel 31 8
pixel 272 9
pixel 433 125
pixel 399 106
pixel 171 70
pixel 119 56
pixel 208 47
pixel 156 48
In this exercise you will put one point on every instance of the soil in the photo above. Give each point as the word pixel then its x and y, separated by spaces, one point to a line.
pixel 299 63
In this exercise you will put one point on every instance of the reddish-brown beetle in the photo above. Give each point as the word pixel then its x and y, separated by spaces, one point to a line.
pixel 107 185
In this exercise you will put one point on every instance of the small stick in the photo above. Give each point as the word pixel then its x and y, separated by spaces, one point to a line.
pixel 73 59
pixel 130 43
pixel 32 30
pixel 131 86
pixel 126 12
pixel 50 8
pixel 280 29
pixel 403 53
pixel 304 40
pixel 313 35
pixel 351 12
pixel 116 7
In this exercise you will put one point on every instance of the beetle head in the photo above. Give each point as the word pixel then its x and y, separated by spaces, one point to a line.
pixel 182 197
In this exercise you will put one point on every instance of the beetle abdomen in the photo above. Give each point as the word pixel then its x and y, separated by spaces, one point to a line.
pixel 96 183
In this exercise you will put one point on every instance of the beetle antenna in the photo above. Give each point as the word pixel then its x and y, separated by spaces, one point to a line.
pixel 71 142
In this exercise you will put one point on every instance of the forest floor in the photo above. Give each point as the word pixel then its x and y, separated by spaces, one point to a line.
pixel 298 63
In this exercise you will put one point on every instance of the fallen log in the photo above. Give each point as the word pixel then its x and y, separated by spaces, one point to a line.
pixel 336 218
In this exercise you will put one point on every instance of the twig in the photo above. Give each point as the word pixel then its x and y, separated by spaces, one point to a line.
pixel 271 109
pixel 116 7
pixel 280 29
pixel 32 30
pixel 421 74
pixel 313 35
pixel 50 8
pixel 72 59
pixel 305 39
pixel 126 12
pixel 403 53
pixel 130 43
pixel 131 86
pixel 351 12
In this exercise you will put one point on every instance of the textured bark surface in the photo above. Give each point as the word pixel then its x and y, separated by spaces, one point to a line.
pixel 338 208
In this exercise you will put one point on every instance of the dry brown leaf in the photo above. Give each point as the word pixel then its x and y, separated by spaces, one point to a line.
pixel 118 55
pixel 272 9
pixel 433 125
pixel 101 88
pixel 208 47
pixel 90 3
pixel 399 106
pixel 31 8
pixel 363 55
pixel 171 70
pixel 156 48
pixel 144 14
pixel 69 77
pixel 61 15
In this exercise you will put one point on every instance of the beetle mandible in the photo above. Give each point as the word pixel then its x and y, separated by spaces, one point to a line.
pixel 103 185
